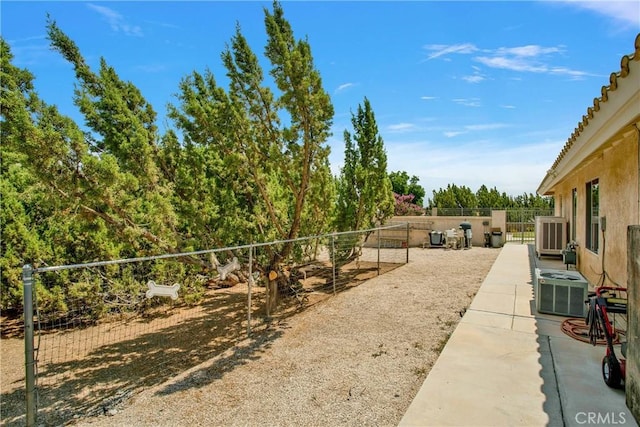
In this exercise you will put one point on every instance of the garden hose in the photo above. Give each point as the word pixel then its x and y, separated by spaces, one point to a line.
pixel 578 329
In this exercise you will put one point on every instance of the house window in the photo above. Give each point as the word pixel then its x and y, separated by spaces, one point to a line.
pixel 574 212
pixel 592 215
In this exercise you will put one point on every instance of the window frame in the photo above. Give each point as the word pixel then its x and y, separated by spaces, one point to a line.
pixel 592 215
pixel 574 213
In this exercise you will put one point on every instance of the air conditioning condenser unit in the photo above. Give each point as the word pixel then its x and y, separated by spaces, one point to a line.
pixel 551 235
pixel 561 292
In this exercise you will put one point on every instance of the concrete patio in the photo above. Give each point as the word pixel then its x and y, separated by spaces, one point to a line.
pixel 508 365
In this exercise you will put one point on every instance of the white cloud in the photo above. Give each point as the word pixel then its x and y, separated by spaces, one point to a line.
pixel 401 127
pixel 569 72
pixel 469 162
pixel 344 86
pixel 486 126
pixel 164 24
pixel 474 164
pixel 467 102
pixel 624 12
pixel 473 79
pixel 474 128
pixel 515 64
pixel 451 134
pixel 527 51
pixel 439 50
pixel 116 21
pixel 33 53
pixel 476 77
pixel 428 98
pixel 527 58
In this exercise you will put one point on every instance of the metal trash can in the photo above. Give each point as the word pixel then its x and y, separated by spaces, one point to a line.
pixel 436 238
pixel 496 239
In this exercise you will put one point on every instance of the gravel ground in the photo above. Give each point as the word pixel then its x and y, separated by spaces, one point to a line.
pixel 357 359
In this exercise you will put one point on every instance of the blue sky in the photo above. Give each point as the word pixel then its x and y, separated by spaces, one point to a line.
pixel 464 93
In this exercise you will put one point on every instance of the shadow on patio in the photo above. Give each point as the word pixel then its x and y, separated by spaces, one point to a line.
pixel 507 365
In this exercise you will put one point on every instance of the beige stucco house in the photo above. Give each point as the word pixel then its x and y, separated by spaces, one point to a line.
pixel 595 179
pixel 595 182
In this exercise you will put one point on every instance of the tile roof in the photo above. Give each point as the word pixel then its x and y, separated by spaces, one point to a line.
pixel 613 85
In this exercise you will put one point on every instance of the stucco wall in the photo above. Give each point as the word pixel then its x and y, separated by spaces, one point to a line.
pixel 420 226
pixel 616 169
pixel 632 380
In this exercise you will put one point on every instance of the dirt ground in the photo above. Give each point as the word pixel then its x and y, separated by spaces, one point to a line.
pixel 357 358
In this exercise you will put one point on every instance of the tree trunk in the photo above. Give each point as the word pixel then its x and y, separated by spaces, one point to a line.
pixel 272 290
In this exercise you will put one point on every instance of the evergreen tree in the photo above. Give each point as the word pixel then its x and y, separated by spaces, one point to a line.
pixel 454 197
pixel 491 198
pixel 45 166
pixel 113 174
pixel 462 197
pixel 269 176
pixel 21 209
pixel 365 196
pixel 305 166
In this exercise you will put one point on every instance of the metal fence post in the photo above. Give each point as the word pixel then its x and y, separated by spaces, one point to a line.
pixel 378 251
pixel 407 243
pixel 30 378
pixel 249 284
pixel 333 261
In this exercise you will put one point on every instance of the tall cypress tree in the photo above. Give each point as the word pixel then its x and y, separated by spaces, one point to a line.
pixel 365 196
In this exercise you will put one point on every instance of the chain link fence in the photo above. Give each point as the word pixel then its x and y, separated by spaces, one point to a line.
pixel 96 334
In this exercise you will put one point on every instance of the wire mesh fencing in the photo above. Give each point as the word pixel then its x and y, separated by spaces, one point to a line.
pixel 103 331
pixel 313 269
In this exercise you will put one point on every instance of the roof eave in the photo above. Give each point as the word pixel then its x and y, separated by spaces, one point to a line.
pixel 610 117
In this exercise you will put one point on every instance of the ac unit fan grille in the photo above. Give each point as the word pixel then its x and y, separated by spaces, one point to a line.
pixel 552 236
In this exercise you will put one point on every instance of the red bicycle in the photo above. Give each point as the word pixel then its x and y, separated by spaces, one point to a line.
pixel 608 300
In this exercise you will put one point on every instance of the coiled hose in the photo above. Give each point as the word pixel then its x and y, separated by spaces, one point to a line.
pixel 589 329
